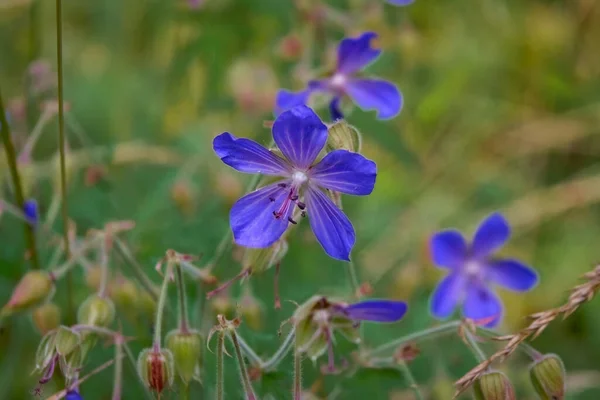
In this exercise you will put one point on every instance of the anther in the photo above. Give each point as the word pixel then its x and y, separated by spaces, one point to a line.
pixel 271 199
pixel 276 214
pixel 301 205
pixel 294 197
pixel 283 185
pixel 292 221
pixel 303 214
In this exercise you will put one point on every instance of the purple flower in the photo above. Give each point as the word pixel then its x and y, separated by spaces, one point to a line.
pixel 260 218
pixel 30 209
pixel 400 2
pixel 473 270
pixel 73 395
pixel 354 54
pixel 375 310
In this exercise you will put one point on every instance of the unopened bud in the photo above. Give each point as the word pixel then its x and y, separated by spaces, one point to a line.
pixel 290 47
pixel 147 304
pixel 186 348
pixel 221 304
pixel 548 377
pixel 493 386
pixel 66 340
pixel 156 368
pixel 45 351
pixel 124 293
pixel 46 317
pixel 34 289
pixel 343 136
pixel 310 340
pixel 71 364
pixel 183 195
pixel 96 311
pixel 93 276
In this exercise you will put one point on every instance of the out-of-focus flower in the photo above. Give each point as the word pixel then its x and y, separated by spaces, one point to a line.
pixel 46 317
pixel 73 395
pixel 400 2
pixel 354 54
pixel 30 209
pixel 260 218
pixel 473 270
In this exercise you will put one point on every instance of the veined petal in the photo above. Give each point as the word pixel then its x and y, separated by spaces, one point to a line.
pixel 333 229
pixel 400 2
pixel 252 220
pixel 300 135
pixel 482 304
pixel 492 233
pixel 375 94
pixel 346 172
pixel 376 310
pixel 285 99
pixel 512 274
pixel 355 54
pixel 448 293
pixel 246 155
pixel 448 249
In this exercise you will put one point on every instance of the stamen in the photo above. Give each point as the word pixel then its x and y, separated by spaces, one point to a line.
pixel 272 199
pixel 294 197
pixel 303 214
pixel 283 185
pixel 292 221
pixel 245 272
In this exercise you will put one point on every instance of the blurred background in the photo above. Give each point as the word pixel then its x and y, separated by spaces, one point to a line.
pixel 501 112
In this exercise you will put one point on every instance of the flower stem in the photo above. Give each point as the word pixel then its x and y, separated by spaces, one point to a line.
pixel 220 367
pixel 248 390
pixel 412 383
pixel 474 347
pixel 182 299
pixel 147 284
pixel 162 299
pixel 11 158
pixel 280 354
pixel 185 391
pixel 353 278
pixel 103 266
pixel 297 374
pixel 426 333
pixel 62 145
pixel 118 383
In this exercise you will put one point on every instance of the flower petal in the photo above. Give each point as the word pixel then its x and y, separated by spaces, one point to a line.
pixel 400 2
pixel 334 109
pixel 447 295
pixel 252 220
pixel 512 274
pixel 300 135
pixel 30 209
pixel 375 94
pixel 346 172
pixel 285 99
pixel 246 155
pixel 355 54
pixel 333 229
pixel 482 304
pixel 492 233
pixel 376 310
pixel 448 249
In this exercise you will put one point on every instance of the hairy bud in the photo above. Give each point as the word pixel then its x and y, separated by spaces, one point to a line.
pixel 548 377
pixel 343 136
pixel 66 340
pixel 71 364
pixel 186 348
pixel 156 368
pixel 46 317
pixel 493 386
pixel 34 289
pixel 96 311
pixel 45 351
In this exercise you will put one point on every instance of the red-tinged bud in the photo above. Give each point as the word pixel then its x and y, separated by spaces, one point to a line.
pixel 183 195
pixel 96 311
pixel 493 386
pixel 34 289
pixel 290 47
pixel 156 368
pixel 46 317
pixel 548 377
pixel 186 348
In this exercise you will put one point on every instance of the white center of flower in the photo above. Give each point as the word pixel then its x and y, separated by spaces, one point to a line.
pixel 472 268
pixel 299 177
pixel 338 81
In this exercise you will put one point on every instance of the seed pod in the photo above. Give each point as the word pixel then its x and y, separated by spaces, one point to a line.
pixel 46 317
pixel 96 311
pixel 343 136
pixel 493 386
pixel 34 289
pixel 45 351
pixel 156 368
pixel 186 348
pixel 66 340
pixel 548 377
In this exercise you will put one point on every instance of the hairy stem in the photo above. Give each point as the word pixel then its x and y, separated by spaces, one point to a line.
pixel 248 390
pixel 182 299
pixel 297 374
pixel 103 266
pixel 426 333
pixel 162 299
pixel 412 382
pixel 220 367
pixel 353 278
pixel 133 364
pixel 280 354
pixel 11 158
pixel 137 269
pixel 474 346
pixel 118 380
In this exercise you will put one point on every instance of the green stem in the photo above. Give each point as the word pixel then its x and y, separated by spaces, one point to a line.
pixel 297 374
pixel 146 283
pixel 220 367
pixel 118 380
pixel 426 333
pixel 248 390
pixel 185 391
pixel 280 354
pixel 182 298
pixel 474 346
pixel 61 144
pixel 61 270
pixel 353 278
pixel 11 158
pixel 412 383
pixel 103 266
pixel 162 299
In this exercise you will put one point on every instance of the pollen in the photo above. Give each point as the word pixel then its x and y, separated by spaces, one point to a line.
pixel 338 81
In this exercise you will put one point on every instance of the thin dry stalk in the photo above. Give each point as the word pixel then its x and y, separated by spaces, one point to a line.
pixel 579 295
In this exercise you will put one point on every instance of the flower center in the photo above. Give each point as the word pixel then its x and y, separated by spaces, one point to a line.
pixel 299 178
pixel 472 268
pixel 338 81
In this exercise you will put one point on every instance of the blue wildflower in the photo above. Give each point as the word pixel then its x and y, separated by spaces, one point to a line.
pixel 375 310
pixel 354 54
pixel 260 218
pixel 400 2
pixel 73 395
pixel 473 270
pixel 30 209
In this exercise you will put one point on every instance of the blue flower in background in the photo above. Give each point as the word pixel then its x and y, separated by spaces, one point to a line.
pixel 400 2
pixel 375 310
pixel 73 395
pixel 260 218
pixel 354 54
pixel 473 270
pixel 30 209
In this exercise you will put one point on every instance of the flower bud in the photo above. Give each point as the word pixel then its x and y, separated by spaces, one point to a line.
pixel 251 309
pixel 46 317
pixel 493 386
pixel 45 351
pixel 156 368
pixel 186 348
pixel 93 276
pixel 71 364
pixel 261 259
pixel 96 311
pixel 221 304
pixel 34 288
pixel 310 340
pixel 548 377
pixel 147 305
pixel 124 293
pixel 343 136
pixel 66 340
